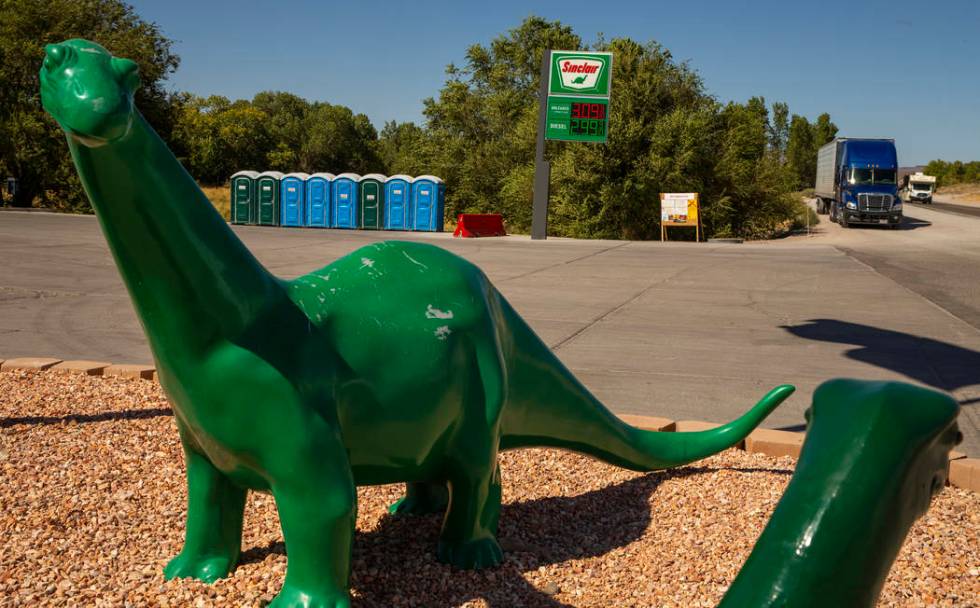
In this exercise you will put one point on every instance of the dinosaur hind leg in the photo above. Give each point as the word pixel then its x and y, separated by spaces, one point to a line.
pixel 469 532
pixel 422 498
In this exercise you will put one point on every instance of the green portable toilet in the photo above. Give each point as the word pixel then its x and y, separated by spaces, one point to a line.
pixel 372 193
pixel 267 196
pixel 244 209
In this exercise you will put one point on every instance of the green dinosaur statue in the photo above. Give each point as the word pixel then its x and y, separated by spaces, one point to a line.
pixel 875 453
pixel 397 363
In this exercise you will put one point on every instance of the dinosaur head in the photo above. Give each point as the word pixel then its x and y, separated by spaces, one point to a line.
pixel 887 423
pixel 88 91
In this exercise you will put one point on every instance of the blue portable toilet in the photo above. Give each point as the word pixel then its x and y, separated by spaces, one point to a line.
pixel 292 189
pixel 398 202
pixel 428 195
pixel 318 200
pixel 343 195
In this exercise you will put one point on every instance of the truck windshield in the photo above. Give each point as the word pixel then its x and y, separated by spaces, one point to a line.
pixel 861 177
pixel 921 187
pixel 884 176
pixel 865 177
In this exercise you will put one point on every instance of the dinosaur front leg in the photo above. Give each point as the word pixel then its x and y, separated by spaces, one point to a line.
pixel 469 534
pixel 213 538
pixel 317 503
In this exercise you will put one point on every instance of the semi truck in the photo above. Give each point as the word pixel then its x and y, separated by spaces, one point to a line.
pixel 918 188
pixel 856 182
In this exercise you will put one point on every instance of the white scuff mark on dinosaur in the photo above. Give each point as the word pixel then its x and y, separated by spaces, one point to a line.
pixel 435 313
pixel 322 298
pixel 442 332
pixel 367 263
pixel 414 261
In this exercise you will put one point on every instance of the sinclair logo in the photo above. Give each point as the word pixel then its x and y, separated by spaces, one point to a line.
pixel 580 73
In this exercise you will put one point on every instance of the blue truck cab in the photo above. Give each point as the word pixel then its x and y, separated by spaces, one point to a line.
pixel 857 182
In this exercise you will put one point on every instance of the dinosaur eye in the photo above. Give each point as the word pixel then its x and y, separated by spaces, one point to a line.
pixel 55 56
pixel 128 72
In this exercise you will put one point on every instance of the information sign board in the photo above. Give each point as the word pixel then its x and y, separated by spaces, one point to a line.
pixel 679 209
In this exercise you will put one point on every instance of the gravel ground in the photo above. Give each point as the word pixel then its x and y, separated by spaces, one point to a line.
pixel 92 506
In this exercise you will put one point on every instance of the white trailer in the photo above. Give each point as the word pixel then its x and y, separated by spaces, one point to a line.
pixel 918 188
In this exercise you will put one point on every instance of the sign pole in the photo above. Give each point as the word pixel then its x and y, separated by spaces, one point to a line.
pixel 542 168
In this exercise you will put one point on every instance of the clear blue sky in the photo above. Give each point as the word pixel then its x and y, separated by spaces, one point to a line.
pixel 902 69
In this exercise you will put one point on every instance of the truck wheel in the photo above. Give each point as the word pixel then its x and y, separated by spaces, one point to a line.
pixel 842 220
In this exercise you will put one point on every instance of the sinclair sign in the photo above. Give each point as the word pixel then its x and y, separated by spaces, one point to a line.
pixel 578 96
pixel 580 73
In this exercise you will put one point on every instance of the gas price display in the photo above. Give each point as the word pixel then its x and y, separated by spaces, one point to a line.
pixel 577 119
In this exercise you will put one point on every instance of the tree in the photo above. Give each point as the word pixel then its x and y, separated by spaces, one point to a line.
pixel 779 130
pixel 32 146
pixel 801 156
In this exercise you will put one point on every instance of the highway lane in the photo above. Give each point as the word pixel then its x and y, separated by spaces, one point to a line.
pixel 960 209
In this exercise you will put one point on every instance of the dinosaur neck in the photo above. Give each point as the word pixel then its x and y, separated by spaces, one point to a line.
pixel 832 538
pixel 192 281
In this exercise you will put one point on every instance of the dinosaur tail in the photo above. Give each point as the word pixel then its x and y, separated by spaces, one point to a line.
pixel 548 407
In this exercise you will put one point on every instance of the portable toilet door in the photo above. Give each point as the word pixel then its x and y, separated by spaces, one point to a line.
pixel 318 200
pixel 344 200
pixel 267 193
pixel 427 203
pixel 371 192
pixel 292 192
pixel 243 207
pixel 398 203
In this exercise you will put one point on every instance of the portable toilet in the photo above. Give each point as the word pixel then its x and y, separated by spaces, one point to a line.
pixel 292 190
pixel 267 195
pixel 318 200
pixel 371 193
pixel 398 199
pixel 243 207
pixel 343 195
pixel 428 194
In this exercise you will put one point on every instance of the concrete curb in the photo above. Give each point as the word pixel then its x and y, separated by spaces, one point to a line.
pixel 86 368
pixel 964 472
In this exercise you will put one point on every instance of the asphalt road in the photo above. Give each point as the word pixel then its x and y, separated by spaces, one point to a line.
pixel 971 210
pixel 680 330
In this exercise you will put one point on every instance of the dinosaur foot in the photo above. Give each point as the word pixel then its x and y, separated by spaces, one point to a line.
pixel 207 568
pixel 471 555
pixel 293 597
pixel 421 502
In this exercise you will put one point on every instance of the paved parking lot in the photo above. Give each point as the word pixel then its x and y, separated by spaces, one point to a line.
pixel 685 331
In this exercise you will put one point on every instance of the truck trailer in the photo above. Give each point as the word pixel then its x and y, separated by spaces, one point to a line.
pixel 856 182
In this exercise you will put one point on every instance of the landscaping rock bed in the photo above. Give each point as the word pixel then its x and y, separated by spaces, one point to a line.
pixel 92 506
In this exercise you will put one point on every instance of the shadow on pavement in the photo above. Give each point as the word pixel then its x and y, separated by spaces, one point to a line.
pixel 938 364
pixel 911 223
